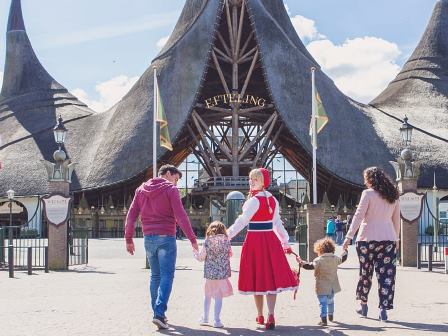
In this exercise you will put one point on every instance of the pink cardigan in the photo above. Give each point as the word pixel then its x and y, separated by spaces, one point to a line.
pixel 376 218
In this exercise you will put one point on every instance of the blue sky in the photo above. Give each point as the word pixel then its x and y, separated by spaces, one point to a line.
pixel 98 48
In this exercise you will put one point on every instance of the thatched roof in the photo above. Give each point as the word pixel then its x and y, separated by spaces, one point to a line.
pixel 30 101
pixel 420 91
pixel 116 145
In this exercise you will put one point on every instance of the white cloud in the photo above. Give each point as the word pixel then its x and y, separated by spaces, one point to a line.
pixel 287 9
pixel 110 92
pixel 162 42
pixel 360 67
pixel 306 28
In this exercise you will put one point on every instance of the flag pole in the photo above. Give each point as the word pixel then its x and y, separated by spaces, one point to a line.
pixel 314 133
pixel 154 129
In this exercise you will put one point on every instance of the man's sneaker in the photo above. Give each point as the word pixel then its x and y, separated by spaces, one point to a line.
pixel 218 324
pixel 330 317
pixel 160 322
pixel 322 322
pixel 203 322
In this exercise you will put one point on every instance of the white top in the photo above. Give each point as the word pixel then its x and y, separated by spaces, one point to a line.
pixel 250 207
pixel 376 218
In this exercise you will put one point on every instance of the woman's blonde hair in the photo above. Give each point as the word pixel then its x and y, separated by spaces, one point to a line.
pixel 324 245
pixel 256 173
pixel 216 228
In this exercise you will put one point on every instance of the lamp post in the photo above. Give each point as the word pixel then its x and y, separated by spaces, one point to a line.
pixel 59 132
pixel 58 203
pixel 406 132
pixel 10 194
pixel 407 171
pixel 406 167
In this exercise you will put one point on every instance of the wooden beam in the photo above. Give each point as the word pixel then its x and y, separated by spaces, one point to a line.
pixel 204 125
pixel 221 75
pixel 265 155
pixel 273 119
pixel 224 44
pixel 249 75
pixel 206 145
pixel 229 27
pixel 265 142
pixel 201 149
pixel 223 55
pixel 246 44
pixel 240 28
pixel 253 50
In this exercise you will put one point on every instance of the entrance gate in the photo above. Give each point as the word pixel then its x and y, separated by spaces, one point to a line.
pixel 77 244
pixel 433 237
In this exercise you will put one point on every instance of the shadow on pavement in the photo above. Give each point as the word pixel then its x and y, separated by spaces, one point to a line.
pixel 418 326
pixel 279 330
pixel 87 269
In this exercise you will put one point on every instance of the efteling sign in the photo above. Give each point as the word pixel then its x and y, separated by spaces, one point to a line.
pixel 411 205
pixel 230 98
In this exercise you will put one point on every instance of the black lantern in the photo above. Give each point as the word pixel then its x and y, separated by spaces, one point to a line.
pixel 60 132
pixel 406 132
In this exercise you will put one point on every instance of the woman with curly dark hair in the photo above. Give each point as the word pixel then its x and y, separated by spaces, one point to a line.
pixel 378 220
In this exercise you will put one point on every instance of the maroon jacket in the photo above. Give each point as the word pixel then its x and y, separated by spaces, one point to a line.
pixel 160 207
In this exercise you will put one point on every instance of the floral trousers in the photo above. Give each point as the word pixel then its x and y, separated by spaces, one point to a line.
pixel 380 256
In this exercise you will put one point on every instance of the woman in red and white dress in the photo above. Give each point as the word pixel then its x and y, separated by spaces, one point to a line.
pixel 264 269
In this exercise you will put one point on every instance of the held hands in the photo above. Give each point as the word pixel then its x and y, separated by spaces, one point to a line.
pixel 195 246
pixel 287 250
pixel 347 242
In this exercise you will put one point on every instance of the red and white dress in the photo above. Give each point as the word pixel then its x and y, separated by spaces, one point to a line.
pixel 263 265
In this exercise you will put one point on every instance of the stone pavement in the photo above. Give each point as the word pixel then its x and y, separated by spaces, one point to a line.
pixel 110 297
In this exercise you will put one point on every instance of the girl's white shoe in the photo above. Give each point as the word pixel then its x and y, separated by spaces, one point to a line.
pixel 203 322
pixel 218 324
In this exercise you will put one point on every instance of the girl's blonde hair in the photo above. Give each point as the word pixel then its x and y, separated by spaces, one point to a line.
pixel 216 228
pixel 324 245
pixel 257 174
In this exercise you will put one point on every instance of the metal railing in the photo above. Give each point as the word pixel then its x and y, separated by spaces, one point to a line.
pixel 20 248
pixel 239 182
pixel 99 233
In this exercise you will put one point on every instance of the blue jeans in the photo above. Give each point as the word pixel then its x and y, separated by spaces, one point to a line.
pixel 326 304
pixel 161 252
pixel 339 237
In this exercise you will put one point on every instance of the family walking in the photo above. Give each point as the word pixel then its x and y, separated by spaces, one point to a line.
pixel 264 270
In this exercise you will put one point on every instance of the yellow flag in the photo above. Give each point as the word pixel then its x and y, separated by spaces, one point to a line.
pixel 165 140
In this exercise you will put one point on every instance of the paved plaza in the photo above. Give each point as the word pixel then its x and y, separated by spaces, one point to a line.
pixel 110 297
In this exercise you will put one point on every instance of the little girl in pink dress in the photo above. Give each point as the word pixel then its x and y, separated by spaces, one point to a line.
pixel 216 253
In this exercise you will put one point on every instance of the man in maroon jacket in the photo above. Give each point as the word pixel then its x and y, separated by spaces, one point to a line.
pixel 158 203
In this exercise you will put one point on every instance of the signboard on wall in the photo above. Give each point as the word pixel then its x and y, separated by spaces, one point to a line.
pixel 411 206
pixel 56 208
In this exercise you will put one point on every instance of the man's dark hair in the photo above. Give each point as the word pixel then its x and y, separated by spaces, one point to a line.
pixel 169 168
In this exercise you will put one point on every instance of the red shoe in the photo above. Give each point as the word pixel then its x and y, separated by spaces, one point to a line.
pixel 260 319
pixel 270 323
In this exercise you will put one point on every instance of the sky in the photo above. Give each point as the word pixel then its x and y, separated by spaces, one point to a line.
pixel 98 49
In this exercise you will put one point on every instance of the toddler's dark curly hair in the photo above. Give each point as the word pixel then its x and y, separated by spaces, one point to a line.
pixel 324 245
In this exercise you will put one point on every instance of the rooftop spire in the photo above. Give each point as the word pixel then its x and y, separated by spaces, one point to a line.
pixel 23 72
pixel 15 21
